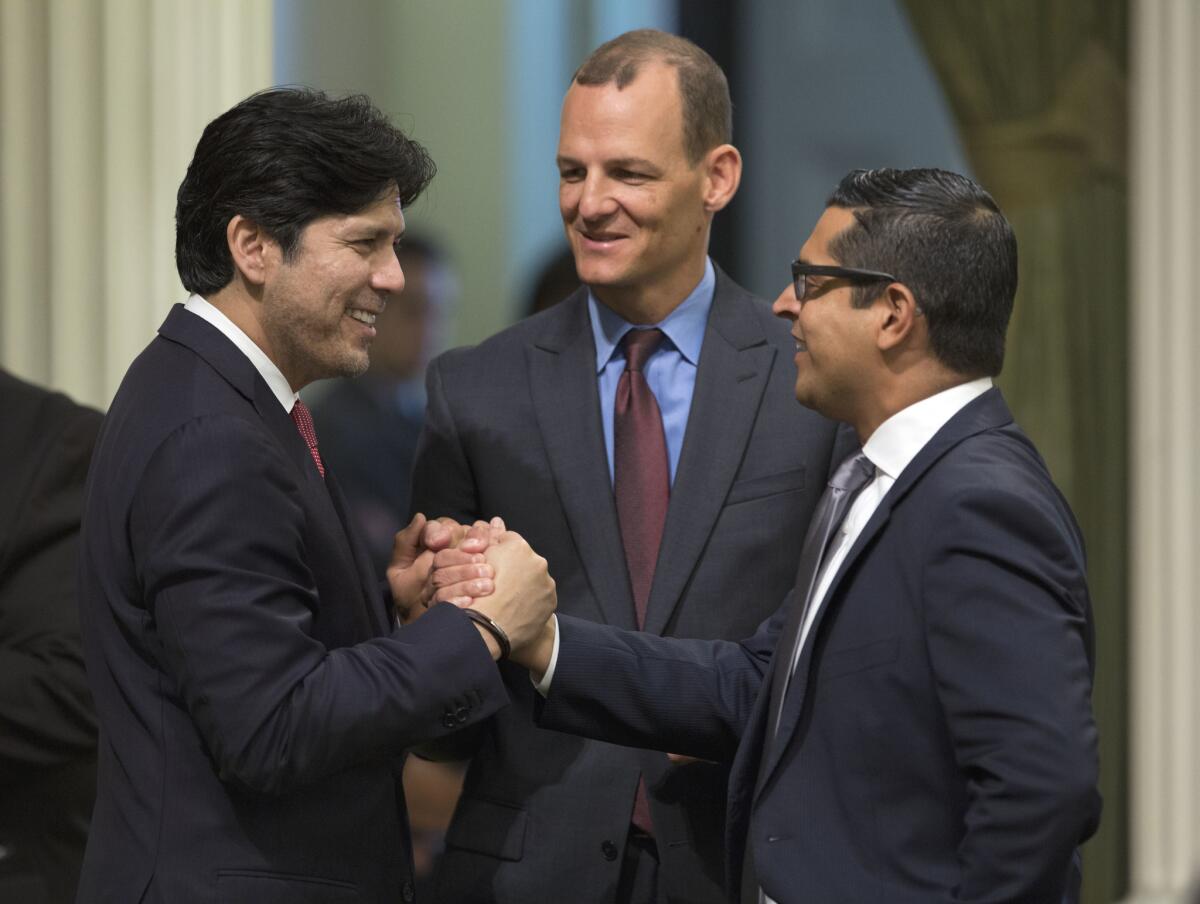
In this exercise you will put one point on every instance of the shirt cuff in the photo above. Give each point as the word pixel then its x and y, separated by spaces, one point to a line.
pixel 543 686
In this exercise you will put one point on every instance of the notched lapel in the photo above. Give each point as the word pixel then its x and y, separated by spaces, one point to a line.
pixel 735 363
pixel 984 413
pixel 280 424
pixel 566 402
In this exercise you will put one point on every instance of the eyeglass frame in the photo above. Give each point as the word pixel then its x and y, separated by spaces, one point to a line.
pixel 800 270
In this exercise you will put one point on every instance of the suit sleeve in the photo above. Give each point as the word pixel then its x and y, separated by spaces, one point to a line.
pixel 46 715
pixel 1006 613
pixel 219 533
pixel 663 693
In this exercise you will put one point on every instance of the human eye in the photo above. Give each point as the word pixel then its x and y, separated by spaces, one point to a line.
pixel 633 176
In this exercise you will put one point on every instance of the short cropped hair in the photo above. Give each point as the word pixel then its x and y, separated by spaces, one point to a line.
pixel 703 89
pixel 945 238
pixel 282 158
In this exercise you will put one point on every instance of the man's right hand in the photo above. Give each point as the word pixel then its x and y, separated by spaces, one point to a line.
pixel 524 597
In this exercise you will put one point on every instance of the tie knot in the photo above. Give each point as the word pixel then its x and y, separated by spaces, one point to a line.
pixel 304 422
pixel 639 346
pixel 853 473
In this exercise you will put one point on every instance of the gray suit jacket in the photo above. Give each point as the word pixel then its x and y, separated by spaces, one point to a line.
pixel 513 428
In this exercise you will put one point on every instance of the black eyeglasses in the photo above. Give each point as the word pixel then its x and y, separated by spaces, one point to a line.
pixel 802 271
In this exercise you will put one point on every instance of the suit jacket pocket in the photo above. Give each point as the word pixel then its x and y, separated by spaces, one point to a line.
pixel 261 887
pixel 835 663
pixel 488 827
pixel 770 485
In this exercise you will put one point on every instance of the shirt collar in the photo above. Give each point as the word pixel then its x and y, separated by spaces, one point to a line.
pixel 684 326
pixel 274 377
pixel 897 440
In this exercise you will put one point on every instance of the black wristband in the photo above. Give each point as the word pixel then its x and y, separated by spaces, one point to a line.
pixel 489 624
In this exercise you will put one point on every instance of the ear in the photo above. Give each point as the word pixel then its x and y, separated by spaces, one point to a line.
pixel 722 175
pixel 901 319
pixel 251 249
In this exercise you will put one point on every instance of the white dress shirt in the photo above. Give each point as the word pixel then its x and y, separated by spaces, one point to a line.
pixel 283 391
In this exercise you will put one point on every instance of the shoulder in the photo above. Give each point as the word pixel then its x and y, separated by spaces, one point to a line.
pixel 41 412
pixel 994 483
pixel 553 329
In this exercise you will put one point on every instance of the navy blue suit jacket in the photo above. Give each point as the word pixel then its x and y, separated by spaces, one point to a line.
pixel 937 744
pixel 254 696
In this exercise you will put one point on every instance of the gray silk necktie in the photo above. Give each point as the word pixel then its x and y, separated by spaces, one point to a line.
pixel 851 476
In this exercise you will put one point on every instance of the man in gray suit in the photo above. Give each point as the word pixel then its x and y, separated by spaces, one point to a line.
pixel 644 438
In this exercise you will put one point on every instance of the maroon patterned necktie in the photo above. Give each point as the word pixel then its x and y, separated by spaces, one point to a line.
pixel 642 485
pixel 304 423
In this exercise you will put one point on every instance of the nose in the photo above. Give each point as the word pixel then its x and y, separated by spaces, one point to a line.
pixel 388 277
pixel 595 200
pixel 786 305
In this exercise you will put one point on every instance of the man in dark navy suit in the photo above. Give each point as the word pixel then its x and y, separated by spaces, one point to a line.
pixel 914 724
pixel 255 693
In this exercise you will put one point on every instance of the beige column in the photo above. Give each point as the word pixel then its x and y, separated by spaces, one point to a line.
pixel 1164 611
pixel 101 103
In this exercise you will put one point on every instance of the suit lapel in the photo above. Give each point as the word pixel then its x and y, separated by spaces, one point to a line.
pixel 224 357
pixel 566 402
pixel 735 362
pixel 984 413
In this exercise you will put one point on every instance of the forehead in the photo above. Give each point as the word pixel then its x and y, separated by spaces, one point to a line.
pixel 833 222
pixel 383 215
pixel 646 115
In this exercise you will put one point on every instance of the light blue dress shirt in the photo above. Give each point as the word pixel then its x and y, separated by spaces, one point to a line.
pixel 670 371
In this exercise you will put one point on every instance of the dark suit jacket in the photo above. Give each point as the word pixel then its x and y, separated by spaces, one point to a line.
pixel 937 744
pixel 513 428
pixel 47 725
pixel 254 697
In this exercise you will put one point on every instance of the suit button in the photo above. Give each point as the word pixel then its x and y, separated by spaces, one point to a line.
pixel 407 893
pixel 609 850
pixel 461 714
pixel 449 721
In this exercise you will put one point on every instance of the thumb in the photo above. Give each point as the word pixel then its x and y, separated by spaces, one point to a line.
pixel 407 545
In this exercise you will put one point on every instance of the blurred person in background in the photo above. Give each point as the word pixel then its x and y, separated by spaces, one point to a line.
pixel 47 723
pixel 555 281
pixel 369 425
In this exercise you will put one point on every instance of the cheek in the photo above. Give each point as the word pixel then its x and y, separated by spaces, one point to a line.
pixel 568 199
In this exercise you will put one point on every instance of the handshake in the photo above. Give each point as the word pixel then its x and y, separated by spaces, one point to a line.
pixel 486 568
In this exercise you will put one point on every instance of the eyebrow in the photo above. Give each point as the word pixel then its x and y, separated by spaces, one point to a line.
pixel 619 163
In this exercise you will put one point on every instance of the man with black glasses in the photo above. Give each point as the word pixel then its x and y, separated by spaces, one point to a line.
pixel 914 724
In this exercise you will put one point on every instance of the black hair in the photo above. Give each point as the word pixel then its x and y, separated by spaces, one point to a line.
pixel 282 158
pixel 945 238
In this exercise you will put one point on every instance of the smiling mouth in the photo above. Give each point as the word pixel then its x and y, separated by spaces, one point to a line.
pixel 600 238
pixel 363 316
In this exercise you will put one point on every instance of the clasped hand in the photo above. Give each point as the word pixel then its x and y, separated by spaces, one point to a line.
pixel 484 566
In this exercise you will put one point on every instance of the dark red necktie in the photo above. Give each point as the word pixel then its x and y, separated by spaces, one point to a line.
pixel 642 485
pixel 641 479
pixel 304 423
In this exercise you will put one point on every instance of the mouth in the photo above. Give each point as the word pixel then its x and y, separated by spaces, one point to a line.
pixel 801 345
pixel 362 316
pixel 599 240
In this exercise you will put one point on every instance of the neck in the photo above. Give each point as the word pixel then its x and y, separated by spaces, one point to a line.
pixel 898 394
pixel 243 309
pixel 648 304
